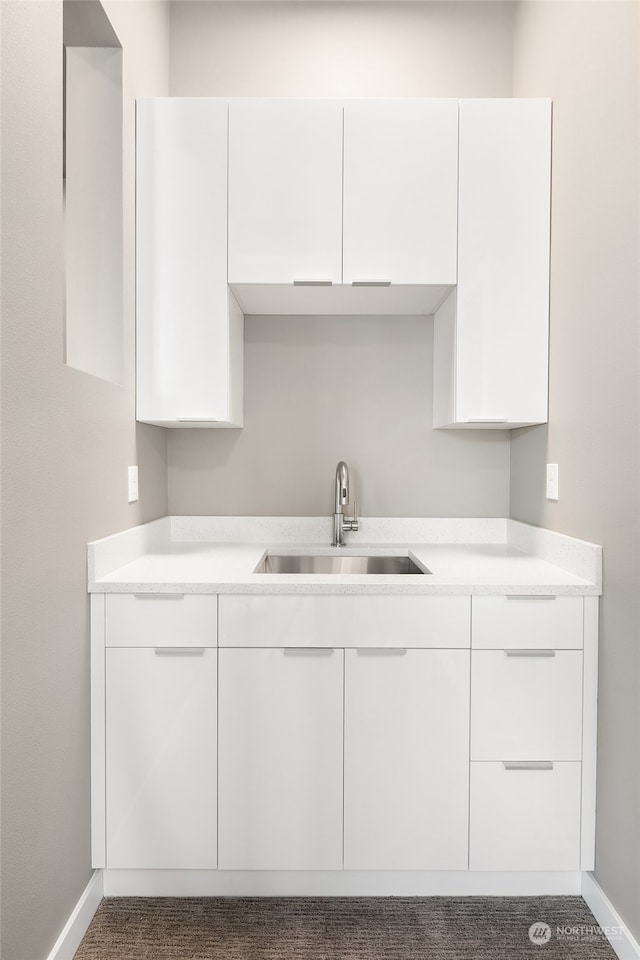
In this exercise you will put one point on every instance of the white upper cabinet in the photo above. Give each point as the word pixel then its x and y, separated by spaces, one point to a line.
pixel 189 327
pixel 491 334
pixel 309 237
pixel 400 191
pixel 388 207
pixel 285 191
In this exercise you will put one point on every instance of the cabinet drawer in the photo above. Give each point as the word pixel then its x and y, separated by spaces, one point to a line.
pixel 339 621
pixel 161 620
pixel 525 819
pixel 526 705
pixel 527 622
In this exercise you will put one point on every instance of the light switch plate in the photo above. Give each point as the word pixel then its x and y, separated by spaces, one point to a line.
pixel 552 481
pixel 133 484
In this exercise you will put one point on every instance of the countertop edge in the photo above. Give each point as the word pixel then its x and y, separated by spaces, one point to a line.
pixel 336 589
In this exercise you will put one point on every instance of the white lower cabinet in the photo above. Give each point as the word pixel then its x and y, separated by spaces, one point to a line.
pixel 161 736
pixel 526 704
pixel 525 816
pixel 280 759
pixel 364 756
pixel 406 759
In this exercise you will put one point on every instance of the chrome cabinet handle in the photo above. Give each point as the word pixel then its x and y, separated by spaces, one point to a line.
pixel 197 420
pixel 527 764
pixel 159 596
pixel 308 651
pixel 381 651
pixel 313 283
pixel 371 283
pixel 179 651
pixel 535 654
pixel 530 596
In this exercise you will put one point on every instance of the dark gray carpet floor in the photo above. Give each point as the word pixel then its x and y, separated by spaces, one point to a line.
pixel 354 928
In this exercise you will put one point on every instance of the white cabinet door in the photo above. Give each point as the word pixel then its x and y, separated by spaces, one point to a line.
pixel 280 759
pixel 161 758
pixel 526 705
pixel 406 759
pixel 525 817
pixel 285 191
pixel 400 191
pixel 491 335
pixel 189 327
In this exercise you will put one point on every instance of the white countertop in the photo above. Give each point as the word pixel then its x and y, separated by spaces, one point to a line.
pixel 170 556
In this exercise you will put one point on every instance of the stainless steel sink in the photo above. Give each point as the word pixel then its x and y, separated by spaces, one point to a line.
pixel 298 563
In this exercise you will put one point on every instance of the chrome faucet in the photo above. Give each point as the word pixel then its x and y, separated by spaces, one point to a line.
pixel 342 524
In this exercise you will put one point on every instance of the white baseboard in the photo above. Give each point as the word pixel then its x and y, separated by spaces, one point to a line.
pixel 338 883
pixel 618 935
pixel 78 923
pixel 327 883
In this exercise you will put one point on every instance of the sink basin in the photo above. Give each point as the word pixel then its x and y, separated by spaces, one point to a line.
pixel 298 563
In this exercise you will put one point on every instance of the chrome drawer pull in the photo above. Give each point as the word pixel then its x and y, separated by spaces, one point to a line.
pixel 530 596
pixel 179 651
pixel 313 283
pixel 371 283
pixel 308 651
pixel 537 654
pixel 159 596
pixel 381 651
pixel 528 764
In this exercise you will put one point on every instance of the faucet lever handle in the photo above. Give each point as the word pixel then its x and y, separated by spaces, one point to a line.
pixel 351 523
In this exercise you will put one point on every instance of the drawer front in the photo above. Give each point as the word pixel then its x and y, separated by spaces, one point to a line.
pixel 161 620
pixel 524 819
pixel 526 705
pixel 339 621
pixel 527 622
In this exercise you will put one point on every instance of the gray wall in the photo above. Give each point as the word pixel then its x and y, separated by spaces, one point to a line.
pixel 320 390
pixel 67 439
pixel 586 56
pixel 346 49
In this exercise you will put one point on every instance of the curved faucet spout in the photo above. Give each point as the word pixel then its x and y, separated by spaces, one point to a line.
pixel 342 486
pixel 341 524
